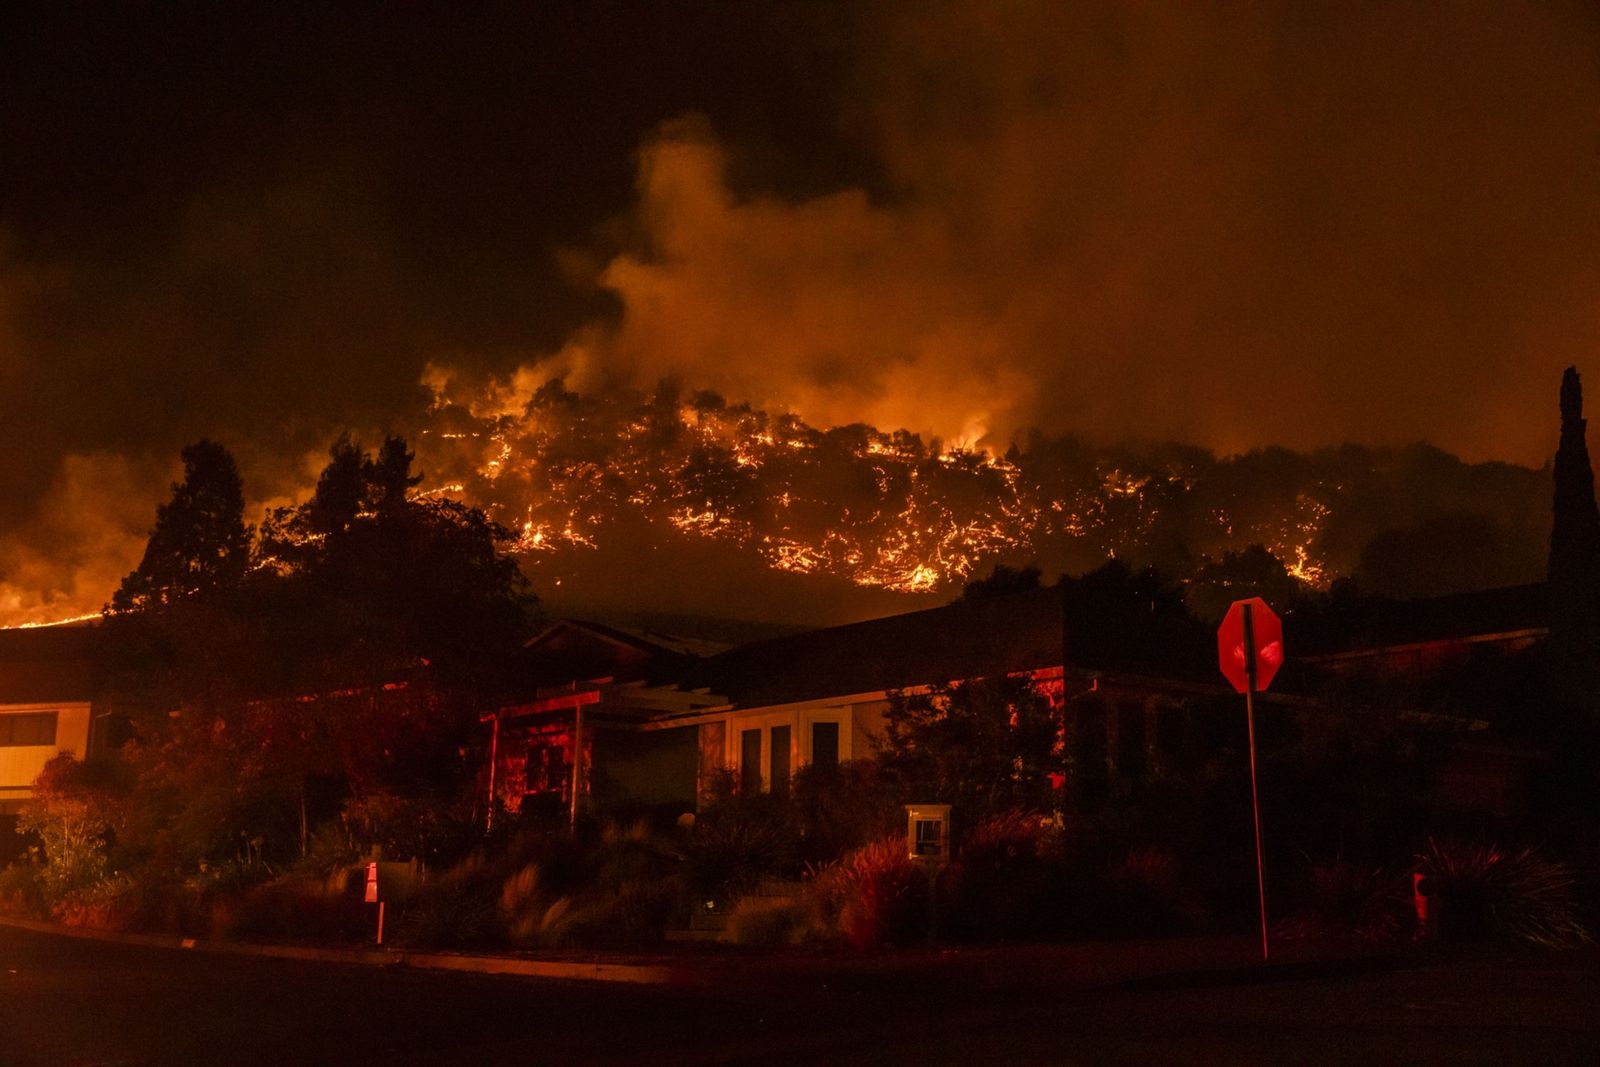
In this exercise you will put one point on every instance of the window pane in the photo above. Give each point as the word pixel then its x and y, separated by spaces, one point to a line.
pixel 779 773
pixel 36 728
pixel 45 731
pixel 825 744
pixel 750 761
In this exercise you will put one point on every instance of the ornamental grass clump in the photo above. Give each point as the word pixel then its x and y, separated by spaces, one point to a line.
pixel 774 922
pixel 455 908
pixel 1144 895
pixel 1346 902
pixel 623 895
pixel 522 904
pixel 875 896
pixel 1483 892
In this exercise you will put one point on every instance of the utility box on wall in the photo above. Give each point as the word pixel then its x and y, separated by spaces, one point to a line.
pixel 928 833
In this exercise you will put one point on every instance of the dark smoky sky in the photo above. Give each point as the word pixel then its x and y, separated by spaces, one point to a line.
pixel 1292 223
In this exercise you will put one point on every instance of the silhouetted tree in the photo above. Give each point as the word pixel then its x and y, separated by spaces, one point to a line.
pixel 350 663
pixel 1449 552
pixel 1574 570
pixel 341 490
pixel 1253 572
pixel 200 542
pixel 1575 533
pixel 1003 580
pixel 388 477
pixel 1116 617
pixel 984 746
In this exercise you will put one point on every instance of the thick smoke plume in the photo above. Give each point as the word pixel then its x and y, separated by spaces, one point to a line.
pixel 1294 225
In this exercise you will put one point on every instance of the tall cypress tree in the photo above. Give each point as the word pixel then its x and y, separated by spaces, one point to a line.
pixel 1574 574
pixel 1575 537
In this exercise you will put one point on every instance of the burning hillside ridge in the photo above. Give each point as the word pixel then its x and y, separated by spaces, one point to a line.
pixel 572 472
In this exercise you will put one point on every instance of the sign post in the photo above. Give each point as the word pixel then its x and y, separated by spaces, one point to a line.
pixel 928 845
pixel 371 896
pixel 1249 651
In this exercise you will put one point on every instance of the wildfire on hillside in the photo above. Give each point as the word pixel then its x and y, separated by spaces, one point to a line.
pixel 880 509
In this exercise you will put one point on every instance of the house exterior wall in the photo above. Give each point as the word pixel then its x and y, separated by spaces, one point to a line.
pixel 20 764
pixel 801 721
pixel 655 769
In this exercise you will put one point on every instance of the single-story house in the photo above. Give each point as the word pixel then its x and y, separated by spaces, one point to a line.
pixel 624 717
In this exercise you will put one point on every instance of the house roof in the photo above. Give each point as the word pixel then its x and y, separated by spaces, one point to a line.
pixel 1378 624
pixel 966 639
pixel 570 650
pixel 46 664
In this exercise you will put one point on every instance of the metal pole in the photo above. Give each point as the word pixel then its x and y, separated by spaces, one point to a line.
pixel 1255 795
pixel 494 762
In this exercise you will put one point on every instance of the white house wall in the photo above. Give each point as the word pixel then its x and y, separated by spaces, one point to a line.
pixel 855 722
pixel 20 764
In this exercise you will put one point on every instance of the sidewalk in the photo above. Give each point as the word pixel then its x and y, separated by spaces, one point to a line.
pixel 1224 959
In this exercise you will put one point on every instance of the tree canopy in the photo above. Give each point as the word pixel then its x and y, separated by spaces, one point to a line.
pixel 200 542
pixel 985 745
pixel 345 652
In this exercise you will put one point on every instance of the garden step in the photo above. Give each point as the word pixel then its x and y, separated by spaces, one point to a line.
pixel 709 922
pixel 694 935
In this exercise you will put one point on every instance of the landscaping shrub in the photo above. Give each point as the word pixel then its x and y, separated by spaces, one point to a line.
pixel 436 831
pixel 875 895
pixel 115 904
pixel 1141 894
pixel 1347 902
pixel 631 915
pixel 296 908
pixel 21 890
pixel 458 907
pixel 71 811
pixel 723 856
pixel 1005 882
pixel 1482 892
pixel 629 853
pixel 839 808
pixel 773 922
pixel 522 905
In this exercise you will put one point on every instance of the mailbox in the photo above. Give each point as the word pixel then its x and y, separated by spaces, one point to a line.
pixel 928 833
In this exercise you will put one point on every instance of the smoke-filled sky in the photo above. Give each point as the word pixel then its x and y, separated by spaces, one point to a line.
pixel 1292 223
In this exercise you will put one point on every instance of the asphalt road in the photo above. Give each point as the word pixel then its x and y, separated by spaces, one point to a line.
pixel 65 1001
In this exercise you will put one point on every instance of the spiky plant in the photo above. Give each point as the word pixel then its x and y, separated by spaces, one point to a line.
pixel 1348 902
pixel 1483 891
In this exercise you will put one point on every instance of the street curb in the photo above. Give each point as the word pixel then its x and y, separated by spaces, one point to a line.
pixel 592 971
pixel 984 970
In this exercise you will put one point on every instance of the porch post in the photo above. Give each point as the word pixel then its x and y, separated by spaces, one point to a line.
pixel 577 763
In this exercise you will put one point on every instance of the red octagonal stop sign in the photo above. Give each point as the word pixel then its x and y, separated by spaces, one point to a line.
pixel 1263 651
